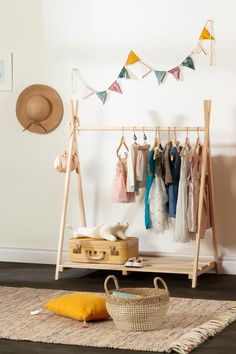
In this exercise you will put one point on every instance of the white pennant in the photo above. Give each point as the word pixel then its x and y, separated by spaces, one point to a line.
pixel 86 92
pixel 135 71
pixel 146 70
pixel 200 49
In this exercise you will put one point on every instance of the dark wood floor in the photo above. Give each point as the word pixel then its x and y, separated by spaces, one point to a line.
pixel 210 286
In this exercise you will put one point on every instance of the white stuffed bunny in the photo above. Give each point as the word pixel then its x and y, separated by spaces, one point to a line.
pixel 110 232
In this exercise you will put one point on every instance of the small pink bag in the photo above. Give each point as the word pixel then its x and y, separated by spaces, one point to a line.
pixel 60 162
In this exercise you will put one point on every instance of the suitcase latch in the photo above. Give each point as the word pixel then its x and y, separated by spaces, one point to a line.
pixel 77 250
pixel 113 251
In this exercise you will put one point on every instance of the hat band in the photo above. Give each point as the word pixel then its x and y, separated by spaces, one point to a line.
pixel 36 122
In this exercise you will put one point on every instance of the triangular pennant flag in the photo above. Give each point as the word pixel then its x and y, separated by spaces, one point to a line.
pixel 160 75
pixel 135 71
pixel 199 48
pixel 206 35
pixel 202 49
pixel 132 58
pixel 115 87
pixel 124 73
pixel 87 92
pixel 188 62
pixel 175 72
pixel 147 73
pixel 102 95
pixel 146 70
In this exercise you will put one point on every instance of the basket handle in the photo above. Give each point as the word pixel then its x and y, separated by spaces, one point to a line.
pixel 160 280
pixel 107 280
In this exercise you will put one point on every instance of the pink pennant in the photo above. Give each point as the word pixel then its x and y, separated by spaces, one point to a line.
pixel 115 87
pixel 175 72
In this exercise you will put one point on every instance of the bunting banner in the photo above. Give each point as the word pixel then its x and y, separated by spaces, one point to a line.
pixel 135 68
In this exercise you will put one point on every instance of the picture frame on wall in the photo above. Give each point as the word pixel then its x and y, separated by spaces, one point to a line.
pixel 6 75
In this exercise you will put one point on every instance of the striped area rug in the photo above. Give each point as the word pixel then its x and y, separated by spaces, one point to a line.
pixel 189 323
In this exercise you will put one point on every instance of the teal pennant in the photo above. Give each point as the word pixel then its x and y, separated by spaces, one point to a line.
pixel 188 62
pixel 160 75
pixel 124 73
pixel 102 95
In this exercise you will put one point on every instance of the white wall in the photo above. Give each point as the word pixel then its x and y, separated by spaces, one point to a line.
pixel 47 39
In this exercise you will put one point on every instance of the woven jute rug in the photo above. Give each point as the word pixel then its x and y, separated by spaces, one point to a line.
pixel 189 322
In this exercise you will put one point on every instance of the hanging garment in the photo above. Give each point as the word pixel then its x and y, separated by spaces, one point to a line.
pixel 60 162
pixel 119 193
pixel 194 190
pixel 181 232
pixel 132 184
pixel 175 163
pixel 158 152
pixel 141 164
pixel 166 163
pixel 158 199
pixel 149 180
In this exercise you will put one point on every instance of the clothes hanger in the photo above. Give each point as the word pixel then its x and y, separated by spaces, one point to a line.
pixel 175 140
pixel 187 145
pixel 122 143
pixel 159 137
pixel 198 141
pixel 144 137
pixel 158 147
pixel 135 136
pixel 175 143
pixel 155 142
pixel 187 141
pixel 197 146
pixel 169 139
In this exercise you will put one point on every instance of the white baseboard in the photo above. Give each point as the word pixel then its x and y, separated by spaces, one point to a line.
pixel 28 255
pixel 48 256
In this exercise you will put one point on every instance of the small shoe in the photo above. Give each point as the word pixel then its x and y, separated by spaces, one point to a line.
pixel 130 262
pixel 138 262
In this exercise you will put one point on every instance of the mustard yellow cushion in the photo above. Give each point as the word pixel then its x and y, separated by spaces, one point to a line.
pixel 79 306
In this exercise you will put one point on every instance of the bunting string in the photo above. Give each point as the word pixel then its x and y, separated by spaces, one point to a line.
pixel 135 68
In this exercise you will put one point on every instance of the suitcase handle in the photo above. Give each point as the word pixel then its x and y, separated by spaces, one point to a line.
pixel 96 258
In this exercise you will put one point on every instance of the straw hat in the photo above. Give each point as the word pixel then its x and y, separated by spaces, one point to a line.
pixel 39 109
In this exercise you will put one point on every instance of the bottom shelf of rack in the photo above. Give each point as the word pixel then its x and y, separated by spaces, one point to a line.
pixel 151 265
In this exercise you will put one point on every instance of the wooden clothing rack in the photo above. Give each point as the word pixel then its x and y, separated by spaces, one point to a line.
pixel 192 267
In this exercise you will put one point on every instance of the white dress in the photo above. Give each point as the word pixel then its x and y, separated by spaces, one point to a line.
pixel 181 232
pixel 157 204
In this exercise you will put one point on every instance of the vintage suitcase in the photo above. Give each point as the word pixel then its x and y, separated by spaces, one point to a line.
pixel 102 251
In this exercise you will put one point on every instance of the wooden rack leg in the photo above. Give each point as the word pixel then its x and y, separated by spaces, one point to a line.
pixel 212 210
pixel 207 112
pixel 80 187
pixel 64 208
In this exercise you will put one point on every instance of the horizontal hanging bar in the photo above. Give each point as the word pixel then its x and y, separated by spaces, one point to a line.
pixel 134 128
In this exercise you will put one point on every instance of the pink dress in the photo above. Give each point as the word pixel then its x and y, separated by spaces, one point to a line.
pixel 119 192
pixel 193 197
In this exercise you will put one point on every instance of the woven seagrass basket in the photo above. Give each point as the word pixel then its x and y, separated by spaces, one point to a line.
pixel 144 313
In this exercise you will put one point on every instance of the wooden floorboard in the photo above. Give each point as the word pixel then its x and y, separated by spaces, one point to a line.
pixel 210 286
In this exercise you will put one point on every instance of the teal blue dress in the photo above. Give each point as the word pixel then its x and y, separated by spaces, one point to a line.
pixel 150 177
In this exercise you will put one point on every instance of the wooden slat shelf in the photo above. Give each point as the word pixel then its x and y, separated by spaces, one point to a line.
pixel 151 265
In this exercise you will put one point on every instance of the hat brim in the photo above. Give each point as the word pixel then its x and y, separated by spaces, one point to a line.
pixel 56 113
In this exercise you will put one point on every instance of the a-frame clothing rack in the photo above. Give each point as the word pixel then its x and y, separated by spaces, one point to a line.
pixel 192 267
